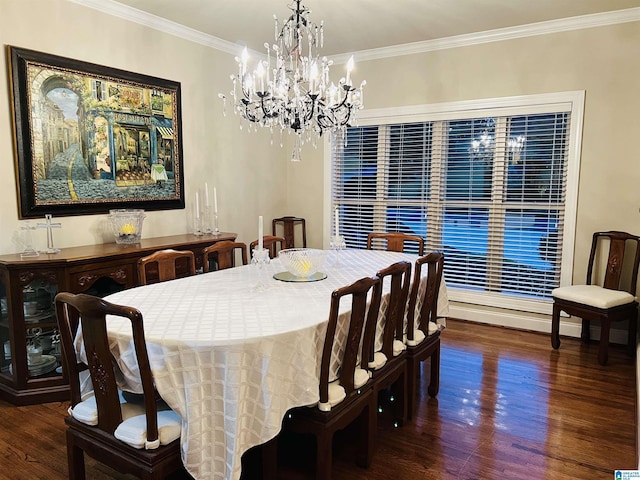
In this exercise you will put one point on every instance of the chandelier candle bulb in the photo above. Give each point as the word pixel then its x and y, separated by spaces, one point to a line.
pixel 349 68
pixel 260 73
pixel 245 59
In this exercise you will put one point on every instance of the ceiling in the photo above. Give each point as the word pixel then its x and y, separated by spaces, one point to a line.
pixel 357 25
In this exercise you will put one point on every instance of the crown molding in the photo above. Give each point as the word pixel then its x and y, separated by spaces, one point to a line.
pixel 134 15
pixel 501 34
pixel 131 14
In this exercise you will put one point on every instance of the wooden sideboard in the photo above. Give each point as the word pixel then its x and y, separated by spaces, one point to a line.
pixel 27 318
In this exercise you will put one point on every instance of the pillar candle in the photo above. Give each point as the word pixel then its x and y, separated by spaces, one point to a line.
pixel 260 232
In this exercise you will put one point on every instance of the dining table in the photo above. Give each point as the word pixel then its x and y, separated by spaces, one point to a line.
pixel 231 351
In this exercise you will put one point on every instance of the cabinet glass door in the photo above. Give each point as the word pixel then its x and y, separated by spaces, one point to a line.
pixel 41 329
pixel 5 359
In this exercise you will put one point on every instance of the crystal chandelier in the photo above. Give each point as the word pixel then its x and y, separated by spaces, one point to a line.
pixel 291 89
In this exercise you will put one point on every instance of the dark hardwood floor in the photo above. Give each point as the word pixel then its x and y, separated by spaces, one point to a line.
pixel 509 407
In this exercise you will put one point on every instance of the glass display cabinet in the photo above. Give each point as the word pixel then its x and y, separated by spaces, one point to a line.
pixel 30 366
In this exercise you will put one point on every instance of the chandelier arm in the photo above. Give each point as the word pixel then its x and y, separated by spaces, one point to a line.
pixel 263 106
pixel 248 115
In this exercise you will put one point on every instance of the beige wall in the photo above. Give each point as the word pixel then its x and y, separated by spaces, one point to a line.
pixel 249 173
pixel 601 61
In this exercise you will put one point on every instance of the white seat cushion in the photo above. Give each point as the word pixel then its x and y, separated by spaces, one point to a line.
pixel 433 328
pixel 133 431
pixel 379 361
pixel 593 295
pixel 360 377
pixel 398 347
pixel 419 336
pixel 87 410
pixel 337 393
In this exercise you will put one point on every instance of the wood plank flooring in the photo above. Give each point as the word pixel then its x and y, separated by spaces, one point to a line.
pixel 509 407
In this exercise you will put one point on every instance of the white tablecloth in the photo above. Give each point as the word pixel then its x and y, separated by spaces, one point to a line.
pixel 232 359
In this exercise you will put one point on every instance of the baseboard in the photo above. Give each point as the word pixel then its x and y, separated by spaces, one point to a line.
pixel 527 321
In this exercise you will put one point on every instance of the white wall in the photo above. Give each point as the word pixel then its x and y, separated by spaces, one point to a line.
pixel 249 173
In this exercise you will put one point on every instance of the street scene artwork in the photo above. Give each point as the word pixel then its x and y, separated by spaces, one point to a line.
pixel 94 138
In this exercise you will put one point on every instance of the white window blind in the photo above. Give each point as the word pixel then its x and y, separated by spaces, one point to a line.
pixel 489 191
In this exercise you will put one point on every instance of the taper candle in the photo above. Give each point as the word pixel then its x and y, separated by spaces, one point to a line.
pixel 260 232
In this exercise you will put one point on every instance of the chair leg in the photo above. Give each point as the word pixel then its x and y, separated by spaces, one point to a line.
pixel 411 386
pixel 75 459
pixel 324 441
pixel 366 434
pixel 603 351
pixel 585 335
pixel 633 333
pixel 400 387
pixel 434 382
pixel 555 327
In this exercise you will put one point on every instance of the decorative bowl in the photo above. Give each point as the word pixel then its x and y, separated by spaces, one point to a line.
pixel 302 262
pixel 127 224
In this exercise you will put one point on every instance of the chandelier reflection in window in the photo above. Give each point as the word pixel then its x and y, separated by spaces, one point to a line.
pixel 483 146
pixel 291 89
pixel 515 145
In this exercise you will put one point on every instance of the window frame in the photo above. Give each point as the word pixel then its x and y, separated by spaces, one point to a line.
pixel 570 101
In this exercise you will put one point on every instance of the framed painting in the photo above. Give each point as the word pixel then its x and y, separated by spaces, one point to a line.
pixel 90 138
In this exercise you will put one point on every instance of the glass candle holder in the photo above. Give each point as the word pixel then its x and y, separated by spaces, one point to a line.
pixel 126 224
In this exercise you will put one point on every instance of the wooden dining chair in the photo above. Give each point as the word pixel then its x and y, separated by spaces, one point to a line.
pixel 608 296
pixel 224 254
pixel 270 242
pixel 395 241
pixel 423 334
pixel 388 365
pixel 166 265
pixel 288 224
pixel 350 396
pixel 139 438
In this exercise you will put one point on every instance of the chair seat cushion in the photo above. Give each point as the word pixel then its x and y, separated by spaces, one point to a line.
pixel 133 431
pixel 419 336
pixel 398 347
pixel 379 361
pixel 593 295
pixel 337 392
pixel 87 410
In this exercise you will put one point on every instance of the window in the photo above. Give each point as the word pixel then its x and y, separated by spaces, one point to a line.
pixel 490 183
